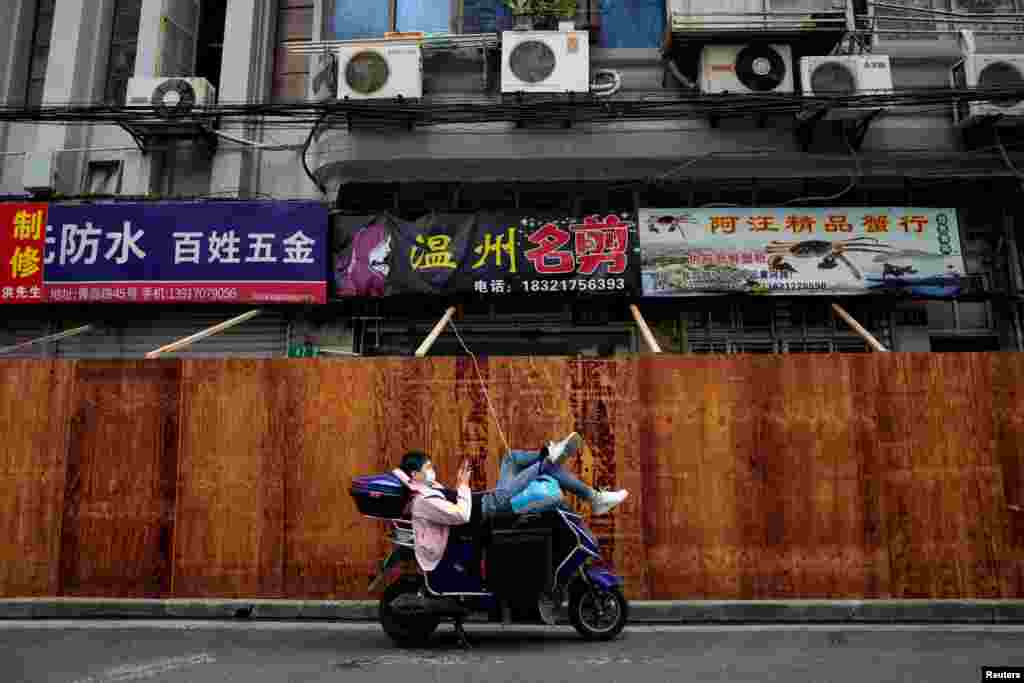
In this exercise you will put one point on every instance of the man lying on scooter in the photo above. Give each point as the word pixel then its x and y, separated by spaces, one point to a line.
pixel 432 513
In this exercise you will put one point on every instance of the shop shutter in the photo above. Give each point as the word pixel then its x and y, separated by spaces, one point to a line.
pixel 265 336
pixel 101 342
pixel 22 329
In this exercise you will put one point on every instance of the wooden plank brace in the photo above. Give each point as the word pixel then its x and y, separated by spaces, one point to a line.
pixel 74 332
pixel 436 332
pixel 858 328
pixel 645 331
pixel 203 334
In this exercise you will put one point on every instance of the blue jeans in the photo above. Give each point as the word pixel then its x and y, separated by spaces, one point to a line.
pixel 517 461
pixel 518 469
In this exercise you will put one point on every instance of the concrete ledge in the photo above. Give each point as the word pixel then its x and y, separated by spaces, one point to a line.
pixel 641 612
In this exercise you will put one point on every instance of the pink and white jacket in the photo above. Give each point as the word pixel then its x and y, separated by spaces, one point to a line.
pixel 432 514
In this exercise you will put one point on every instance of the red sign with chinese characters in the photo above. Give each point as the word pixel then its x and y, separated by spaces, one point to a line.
pixel 22 242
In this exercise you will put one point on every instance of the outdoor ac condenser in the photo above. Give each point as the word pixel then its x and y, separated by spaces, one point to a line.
pixel 988 71
pixel 545 61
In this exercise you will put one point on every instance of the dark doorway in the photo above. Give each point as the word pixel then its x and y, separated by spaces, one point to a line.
pixel 965 344
pixel 210 50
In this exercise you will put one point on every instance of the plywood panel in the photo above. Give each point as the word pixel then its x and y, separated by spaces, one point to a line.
pixel 330 548
pixel 865 564
pixel 119 493
pixel 861 476
pixel 229 533
pixel 34 401
pixel 1008 450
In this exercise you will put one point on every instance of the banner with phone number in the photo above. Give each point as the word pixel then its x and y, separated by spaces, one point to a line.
pixel 488 254
pixel 795 251
pixel 164 252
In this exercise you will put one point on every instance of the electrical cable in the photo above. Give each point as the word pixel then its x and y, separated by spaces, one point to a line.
pixel 854 179
pixel 305 161
pixel 483 385
pixel 676 72
pixel 1006 157
pixel 602 90
pixel 232 138
pixel 473 111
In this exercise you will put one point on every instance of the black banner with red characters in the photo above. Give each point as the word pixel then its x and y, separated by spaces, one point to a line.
pixel 489 254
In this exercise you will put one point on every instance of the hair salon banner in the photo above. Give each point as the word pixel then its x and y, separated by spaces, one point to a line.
pixel 195 252
pixel 905 250
pixel 488 254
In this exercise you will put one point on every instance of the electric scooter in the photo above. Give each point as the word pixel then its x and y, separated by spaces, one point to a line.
pixel 504 569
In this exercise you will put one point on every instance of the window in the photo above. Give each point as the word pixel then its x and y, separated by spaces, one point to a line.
pixel 484 16
pixel 429 16
pixel 210 51
pixel 352 19
pixel 360 19
pixel 103 177
pixel 294 25
pixel 40 56
pixel 623 23
pixel 180 26
pixel 124 39
pixel 922 25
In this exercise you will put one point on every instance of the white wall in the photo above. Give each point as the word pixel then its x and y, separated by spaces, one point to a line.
pixel 15 37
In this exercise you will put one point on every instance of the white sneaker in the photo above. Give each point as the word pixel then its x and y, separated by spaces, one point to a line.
pixel 563 450
pixel 604 501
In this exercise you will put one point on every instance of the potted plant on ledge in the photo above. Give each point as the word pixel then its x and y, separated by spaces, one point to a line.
pixel 540 14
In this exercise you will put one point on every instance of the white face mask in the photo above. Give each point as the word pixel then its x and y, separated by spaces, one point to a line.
pixel 429 476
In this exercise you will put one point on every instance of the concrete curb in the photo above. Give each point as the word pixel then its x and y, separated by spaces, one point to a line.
pixel 641 612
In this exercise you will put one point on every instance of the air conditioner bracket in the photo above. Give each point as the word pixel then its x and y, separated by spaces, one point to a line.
pixel 149 136
pixel 806 121
pixel 857 130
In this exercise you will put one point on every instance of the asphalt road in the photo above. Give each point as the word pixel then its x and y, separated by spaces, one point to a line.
pixel 261 652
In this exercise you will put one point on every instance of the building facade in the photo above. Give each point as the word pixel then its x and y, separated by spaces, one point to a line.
pixel 57 52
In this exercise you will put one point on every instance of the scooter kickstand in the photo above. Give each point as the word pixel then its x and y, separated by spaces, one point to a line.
pixel 461 635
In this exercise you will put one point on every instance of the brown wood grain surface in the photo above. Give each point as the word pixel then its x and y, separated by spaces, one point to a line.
pixel 34 402
pixel 330 549
pixel 119 494
pixel 229 536
pixel 750 477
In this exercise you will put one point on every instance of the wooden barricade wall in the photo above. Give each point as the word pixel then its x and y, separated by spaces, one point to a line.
pixel 816 476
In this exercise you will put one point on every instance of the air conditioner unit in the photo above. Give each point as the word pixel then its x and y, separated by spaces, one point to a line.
pixel 988 71
pixel 754 68
pixel 171 95
pixel 846 75
pixel 380 71
pixel 545 61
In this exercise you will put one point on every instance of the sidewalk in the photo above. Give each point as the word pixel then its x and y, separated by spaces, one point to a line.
pixel 641 612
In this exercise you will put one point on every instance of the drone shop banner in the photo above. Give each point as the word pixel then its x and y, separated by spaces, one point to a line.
pixel 487 254
pixel 795 251
pixel 166 252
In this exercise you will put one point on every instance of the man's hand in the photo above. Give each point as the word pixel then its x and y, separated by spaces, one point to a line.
pixel 463 477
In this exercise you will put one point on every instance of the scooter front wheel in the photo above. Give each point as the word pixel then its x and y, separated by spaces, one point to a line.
pixel 404 629
pixel 598 613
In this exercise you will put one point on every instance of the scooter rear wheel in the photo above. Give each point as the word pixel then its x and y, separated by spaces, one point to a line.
pixel 597 613
pixel 405 630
